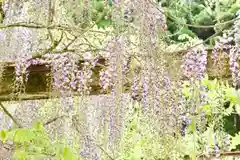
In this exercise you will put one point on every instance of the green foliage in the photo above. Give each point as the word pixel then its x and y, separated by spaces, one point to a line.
pixel 33 143
pixel 198 13
pixel 100 13
pixel 220 118
pixel 235 141
pixel 141 140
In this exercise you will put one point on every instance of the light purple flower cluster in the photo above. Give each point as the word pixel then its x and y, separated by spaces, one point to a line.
pixel 234 53
pixel 107 75
pixel 135 89
pixel 145 92
pixel 87 151
pixel 234 66
pixel 236 30
pixel 67 75
pixel 106 78
pixel 116 62
pixel 111 79
pixel 21 72
pixel 185 122
pixel 125 63
pixel 158 92
pixel 195 61
pixel 188 105
pixel 153 88
pixel 153 19
pixel 223 44
pixel 227 143
pixel 203 94
pixel 62 66
pixel 150 86
pixel 22 65
pixel 216 147
pixel 168 87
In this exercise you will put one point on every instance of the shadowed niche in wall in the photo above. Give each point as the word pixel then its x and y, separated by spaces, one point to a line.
pixel 38 85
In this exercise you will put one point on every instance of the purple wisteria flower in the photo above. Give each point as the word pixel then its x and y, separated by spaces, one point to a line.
pixel 234 53
pixel 135 88
pixel 227 142
pixel 234 66
pixel 145 92
pixel 195 61
pixel 22 64
pixel 236 30
pixel 68 76
pixel 116 62
pixel 106 78
pixel 216 147
pixel 185 121
pixel 223 44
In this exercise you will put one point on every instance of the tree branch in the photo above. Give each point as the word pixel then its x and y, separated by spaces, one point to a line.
pixel 50 49
pixel 10 115
pixel 52 120
pixel 51 27
pixel 105 152
pixel 222 154
pixel 185 50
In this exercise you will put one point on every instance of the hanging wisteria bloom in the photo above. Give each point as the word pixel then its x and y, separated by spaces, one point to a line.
pixel 116 61
pixel 234 53
pixel 236 30
pixel 135 89
pixel 234 66
pixel 21 72
pixel 216 147
pixel 223 45
pixel 67 75
pixel 194 63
